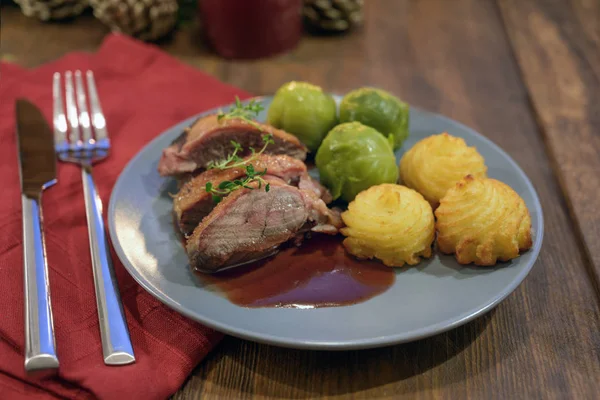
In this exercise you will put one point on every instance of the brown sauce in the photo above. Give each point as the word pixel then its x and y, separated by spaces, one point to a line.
pixel 317 274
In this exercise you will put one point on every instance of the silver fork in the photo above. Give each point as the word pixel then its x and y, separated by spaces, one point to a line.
pixel 84 147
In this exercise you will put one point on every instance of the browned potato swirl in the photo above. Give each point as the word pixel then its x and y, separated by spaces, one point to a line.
pixel 434 165
pixel 390 222
pixel 482 220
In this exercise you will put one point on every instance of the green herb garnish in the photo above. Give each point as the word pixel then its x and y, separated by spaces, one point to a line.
pixel 226 187
pixel 245 112
pixel 234 161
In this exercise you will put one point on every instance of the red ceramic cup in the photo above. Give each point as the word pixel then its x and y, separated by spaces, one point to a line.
pixel 246 29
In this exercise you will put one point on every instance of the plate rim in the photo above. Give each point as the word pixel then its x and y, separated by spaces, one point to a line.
pixel 373 342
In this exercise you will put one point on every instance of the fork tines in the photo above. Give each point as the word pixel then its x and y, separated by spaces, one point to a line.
pixel 73 131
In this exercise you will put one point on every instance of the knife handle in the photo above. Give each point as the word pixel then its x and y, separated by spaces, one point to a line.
pixel 40 346
pixel 116 343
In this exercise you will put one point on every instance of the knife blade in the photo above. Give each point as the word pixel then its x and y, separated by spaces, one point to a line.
pixel 36 149
pixel 37 162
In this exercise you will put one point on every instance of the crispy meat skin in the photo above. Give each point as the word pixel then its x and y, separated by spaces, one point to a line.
pixel 193 203
pixel 209 139
pixel 249 224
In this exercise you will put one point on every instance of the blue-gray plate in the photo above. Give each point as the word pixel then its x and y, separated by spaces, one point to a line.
pixel 437 296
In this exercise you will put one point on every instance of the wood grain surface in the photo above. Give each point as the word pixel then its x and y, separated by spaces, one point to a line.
pixel 557 44
pixel 452 57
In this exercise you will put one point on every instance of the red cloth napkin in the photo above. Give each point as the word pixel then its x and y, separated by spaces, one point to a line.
pixel 143 91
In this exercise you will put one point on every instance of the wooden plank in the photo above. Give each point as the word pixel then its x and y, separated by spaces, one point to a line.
pixel 541 342
pixel 47 40
pixel 557 45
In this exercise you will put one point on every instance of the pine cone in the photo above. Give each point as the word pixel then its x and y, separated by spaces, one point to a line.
pixel 52 9
pixel 332 15
pixel 144 19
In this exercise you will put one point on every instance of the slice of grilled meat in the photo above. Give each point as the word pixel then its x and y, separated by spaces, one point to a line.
pixel 193 202
pixel 210 139
pixel 250 224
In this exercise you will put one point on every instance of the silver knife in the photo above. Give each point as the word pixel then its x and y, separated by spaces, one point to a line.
pixel 38 172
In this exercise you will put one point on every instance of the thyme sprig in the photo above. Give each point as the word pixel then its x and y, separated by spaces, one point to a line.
pixel 245 112
pixel 226 187
pixel 233 160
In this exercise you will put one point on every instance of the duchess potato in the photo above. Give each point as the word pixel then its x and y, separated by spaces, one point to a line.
pixel 482 220
pixel 390 222
pixel 436 163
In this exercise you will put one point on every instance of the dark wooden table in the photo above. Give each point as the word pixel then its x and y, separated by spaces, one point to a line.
pixel 526 73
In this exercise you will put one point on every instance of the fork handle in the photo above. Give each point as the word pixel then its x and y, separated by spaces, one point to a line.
pixel 40 346
pixel 116 343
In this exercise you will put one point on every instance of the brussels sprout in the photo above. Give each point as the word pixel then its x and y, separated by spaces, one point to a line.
pixel 303 110
pixel 354 157
pixel 378 109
